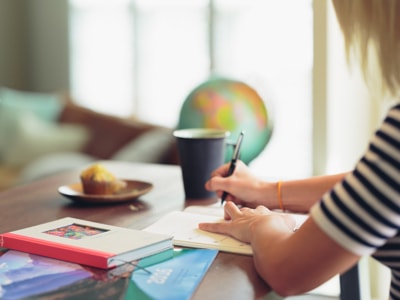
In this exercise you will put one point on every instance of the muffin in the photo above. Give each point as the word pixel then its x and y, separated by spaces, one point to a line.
pixel 97 180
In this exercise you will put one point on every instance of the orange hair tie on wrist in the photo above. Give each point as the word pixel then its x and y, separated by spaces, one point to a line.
pixel 280 195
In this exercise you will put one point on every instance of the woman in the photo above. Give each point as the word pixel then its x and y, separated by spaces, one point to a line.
pixel 351 215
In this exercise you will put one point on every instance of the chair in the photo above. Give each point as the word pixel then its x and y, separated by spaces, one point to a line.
pixel 232 105
pixel 354 284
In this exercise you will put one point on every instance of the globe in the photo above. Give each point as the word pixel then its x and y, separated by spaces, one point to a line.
pixel 232 105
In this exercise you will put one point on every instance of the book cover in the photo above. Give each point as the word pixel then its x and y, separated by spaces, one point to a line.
pixel 175 278
pixel 23 275
pixel 183 226
pixel 84 242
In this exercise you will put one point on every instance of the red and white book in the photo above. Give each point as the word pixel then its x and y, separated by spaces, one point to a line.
pixel 88 243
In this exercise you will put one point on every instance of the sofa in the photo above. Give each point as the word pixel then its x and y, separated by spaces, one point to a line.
pixel 42 134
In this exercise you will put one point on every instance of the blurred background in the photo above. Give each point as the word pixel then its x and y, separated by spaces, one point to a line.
pixel 141 58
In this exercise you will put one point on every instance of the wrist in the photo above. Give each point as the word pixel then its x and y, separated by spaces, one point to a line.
pixel 269 195
pixel 275 196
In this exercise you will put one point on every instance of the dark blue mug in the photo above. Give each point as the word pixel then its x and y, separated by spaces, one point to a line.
pixel 201 151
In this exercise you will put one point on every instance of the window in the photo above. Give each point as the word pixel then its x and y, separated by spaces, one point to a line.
pixel 142 58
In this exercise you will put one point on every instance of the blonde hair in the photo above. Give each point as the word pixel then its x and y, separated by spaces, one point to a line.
pixel 371 30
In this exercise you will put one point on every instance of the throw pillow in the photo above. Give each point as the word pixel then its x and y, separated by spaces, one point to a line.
pixel 46 106
pixel 13 103
pixel 33 138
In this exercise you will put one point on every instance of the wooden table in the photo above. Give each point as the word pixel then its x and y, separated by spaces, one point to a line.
pixel 231 276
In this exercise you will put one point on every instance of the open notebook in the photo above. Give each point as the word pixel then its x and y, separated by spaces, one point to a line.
pixel 183 226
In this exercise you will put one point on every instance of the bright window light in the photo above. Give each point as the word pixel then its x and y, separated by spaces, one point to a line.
pixel 142 58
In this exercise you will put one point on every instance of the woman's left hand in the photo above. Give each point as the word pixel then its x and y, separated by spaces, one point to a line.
pixel 243 223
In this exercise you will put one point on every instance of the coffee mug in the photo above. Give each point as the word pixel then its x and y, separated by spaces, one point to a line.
pixel 201 151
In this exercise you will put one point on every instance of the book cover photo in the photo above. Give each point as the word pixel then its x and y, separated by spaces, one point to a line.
pixel 88 243
pixel 24 275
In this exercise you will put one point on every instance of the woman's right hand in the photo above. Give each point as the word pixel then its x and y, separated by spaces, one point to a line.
pixel 242 186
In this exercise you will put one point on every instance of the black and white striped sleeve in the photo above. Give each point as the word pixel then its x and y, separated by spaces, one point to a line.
pixel 363 211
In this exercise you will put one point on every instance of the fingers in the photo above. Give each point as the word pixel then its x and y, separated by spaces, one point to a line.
pixel 214 227
pixel 221 170
pixel 261 209
pixel 290 222
pixel 230 211
pixel 217 174
pixel 219 182
pixel 215 183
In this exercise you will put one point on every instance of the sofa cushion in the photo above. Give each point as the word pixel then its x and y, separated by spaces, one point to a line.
pixel 45 106
pixel 13 103
pixel 150 147
pixel 109 134
pixel 52 164
pixel 33 138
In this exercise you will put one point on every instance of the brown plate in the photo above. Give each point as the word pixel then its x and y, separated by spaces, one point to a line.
pixel 133 190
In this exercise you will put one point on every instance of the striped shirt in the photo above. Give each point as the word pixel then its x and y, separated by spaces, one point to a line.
pixel 362 212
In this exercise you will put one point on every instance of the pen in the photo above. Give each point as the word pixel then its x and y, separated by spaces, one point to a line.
pixel 232 166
